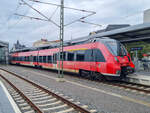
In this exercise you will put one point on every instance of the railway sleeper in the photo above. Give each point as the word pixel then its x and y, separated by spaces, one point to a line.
pixel 45 101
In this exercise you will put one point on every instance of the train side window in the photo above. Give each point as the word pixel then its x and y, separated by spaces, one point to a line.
pixel 63 57
pixel 49 59
pixel 40 58
pixel 17 58
pixel 44 59
pixel 80 56
pixel 13 58
pixel 24 58
pixel 34 59
pixel 20 58
pixel 70 56
pixel 88 55
pixel 55 58
pixel 98 56
pixel 28 58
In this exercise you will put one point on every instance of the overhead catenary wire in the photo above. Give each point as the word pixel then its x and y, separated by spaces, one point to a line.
pixel 53 13
pixel 40 13
pixel 37 1
pixel 36 18
pixel 77 20
pixel 83 21
pixel 10 17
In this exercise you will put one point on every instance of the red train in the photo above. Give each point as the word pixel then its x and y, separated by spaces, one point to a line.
pixel 99 57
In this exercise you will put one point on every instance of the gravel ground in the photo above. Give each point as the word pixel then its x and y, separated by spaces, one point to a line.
pixel 105 99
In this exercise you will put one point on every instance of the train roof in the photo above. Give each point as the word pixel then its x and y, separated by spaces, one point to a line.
pixel 55 45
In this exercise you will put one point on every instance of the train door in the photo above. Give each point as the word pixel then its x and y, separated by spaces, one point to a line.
pixel 70 64
pixel 93 61
pixel 37 58
pixel 31 60
pixel 55 58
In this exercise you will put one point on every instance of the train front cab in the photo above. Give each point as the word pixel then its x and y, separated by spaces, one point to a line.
pixel 118 63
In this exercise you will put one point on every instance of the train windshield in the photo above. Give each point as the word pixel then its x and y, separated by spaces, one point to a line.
pixel 116 48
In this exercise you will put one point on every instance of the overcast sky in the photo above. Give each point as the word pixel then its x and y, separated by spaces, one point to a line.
pixel 13 28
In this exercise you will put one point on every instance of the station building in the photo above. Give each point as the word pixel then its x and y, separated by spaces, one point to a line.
pixel 4 52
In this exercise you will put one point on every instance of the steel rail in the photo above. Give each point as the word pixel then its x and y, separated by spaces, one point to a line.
pixel 130 87
pixel 78 108
pixel 26 98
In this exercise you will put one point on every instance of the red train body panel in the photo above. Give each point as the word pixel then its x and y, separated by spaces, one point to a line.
pixel 90 57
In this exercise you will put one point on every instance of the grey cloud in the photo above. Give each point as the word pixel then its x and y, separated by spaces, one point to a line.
pixel 28 31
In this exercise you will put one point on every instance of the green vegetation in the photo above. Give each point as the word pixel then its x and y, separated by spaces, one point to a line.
pixel 145 45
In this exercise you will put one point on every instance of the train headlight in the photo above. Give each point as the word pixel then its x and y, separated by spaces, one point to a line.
pixel 116 59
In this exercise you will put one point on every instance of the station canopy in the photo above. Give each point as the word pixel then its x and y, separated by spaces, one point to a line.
pixel 140 32
pixel 3 44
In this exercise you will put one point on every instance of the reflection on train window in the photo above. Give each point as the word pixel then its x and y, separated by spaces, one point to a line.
pixel 55 58
pixel 88 55
pixel 44 59
pixel 64 56
pixel 49 59
pixel 80 55
pixel 34 59
pixel 70 56
pixel 40 58
pixel 28 58
pixel 98 56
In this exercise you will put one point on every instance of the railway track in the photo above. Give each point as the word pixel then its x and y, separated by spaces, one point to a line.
pixel 133 87
pixel 129 86
pixel 34 98
pixel 143 89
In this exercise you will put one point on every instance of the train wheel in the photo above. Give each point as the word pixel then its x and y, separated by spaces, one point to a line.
pixel 92 75
pixel 80 73
pixel 100 77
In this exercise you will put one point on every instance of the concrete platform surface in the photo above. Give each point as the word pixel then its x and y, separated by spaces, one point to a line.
pixel 7 105
pixel 140 78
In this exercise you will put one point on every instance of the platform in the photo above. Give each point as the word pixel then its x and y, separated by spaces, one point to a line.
pixel 140 78
pixel 7 104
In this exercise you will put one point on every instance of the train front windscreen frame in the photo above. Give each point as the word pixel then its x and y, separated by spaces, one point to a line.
pixel 116 48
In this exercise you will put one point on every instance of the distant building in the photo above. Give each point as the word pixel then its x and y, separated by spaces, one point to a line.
pixel 17 46
pixel 4 50
pixel 146 16
pixel 43 42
